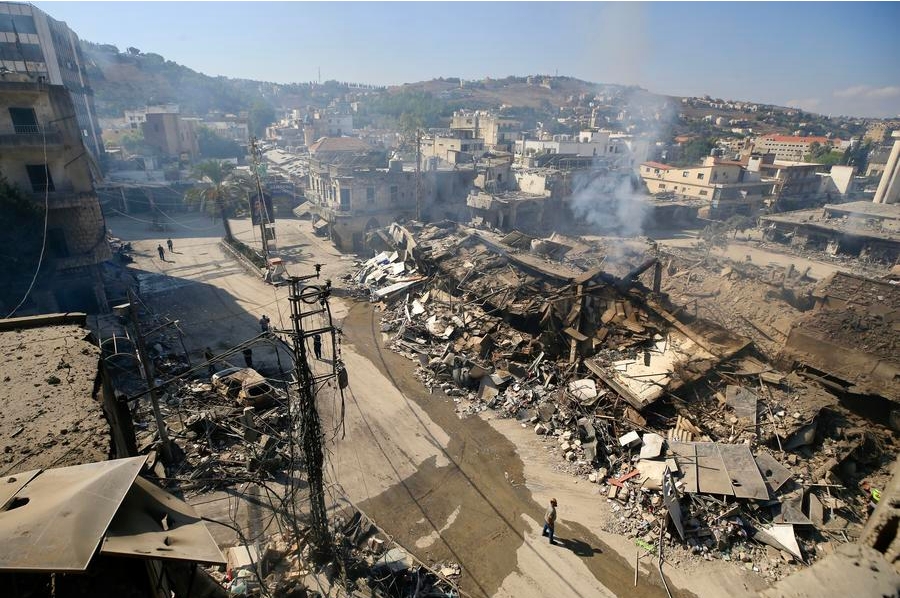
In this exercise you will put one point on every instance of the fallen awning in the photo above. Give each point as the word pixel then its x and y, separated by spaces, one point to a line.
pixel 320 224
pixel 57 519
pixel 302 210
pixel 54 520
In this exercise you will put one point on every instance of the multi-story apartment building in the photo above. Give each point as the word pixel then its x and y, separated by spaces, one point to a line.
pixel 726 186
pixel 353 192
pixel 789 147
pixel 791 180
pixel 172 135
pixel 498 133
pixel 42 154
pixel 326 123
pixel 32 42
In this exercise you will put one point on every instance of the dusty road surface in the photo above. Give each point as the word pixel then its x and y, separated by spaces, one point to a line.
pixel 447 489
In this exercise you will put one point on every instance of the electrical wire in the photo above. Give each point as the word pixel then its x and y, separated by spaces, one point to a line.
pixel 46 220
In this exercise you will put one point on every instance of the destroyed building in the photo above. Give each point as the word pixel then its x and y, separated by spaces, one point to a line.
pixel 44 158
pixel 673 415
pixel 862 229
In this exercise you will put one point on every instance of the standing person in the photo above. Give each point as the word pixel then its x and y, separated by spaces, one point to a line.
pixel 264 323
pixel 208 356
pixel 248 357
pixel 550 520
pixel 170 245
pixel 162 252
pixel 317 346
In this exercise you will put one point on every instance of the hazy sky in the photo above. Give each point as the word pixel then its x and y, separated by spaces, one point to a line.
pixel 833 58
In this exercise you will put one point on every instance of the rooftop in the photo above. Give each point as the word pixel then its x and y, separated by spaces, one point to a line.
pixel 339 144
pixel 50 418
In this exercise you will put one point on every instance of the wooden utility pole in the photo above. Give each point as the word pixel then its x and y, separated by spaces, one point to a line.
pixel 149 376
pixel 315 296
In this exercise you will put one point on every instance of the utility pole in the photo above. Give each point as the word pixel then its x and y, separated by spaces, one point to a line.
pixel 149 376
pixel 254 149
pixel 418 172
pixel 310 426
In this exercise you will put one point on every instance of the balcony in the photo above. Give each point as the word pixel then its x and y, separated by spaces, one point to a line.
pixel 29 136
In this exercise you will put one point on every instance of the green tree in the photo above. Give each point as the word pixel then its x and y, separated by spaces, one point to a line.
pixel 696 149
pixel 221 190
pixel 261 116
pixel 214 146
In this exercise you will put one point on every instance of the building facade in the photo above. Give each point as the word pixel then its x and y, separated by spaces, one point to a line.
pixel 498 133
pixel 726 187
pixel 34 43
pixel 789 147
pixel 171 135
pixel 42 154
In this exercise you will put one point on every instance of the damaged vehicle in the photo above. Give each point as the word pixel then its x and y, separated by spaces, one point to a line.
pixel 245 385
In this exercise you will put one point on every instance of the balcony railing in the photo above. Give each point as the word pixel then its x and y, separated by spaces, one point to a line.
pixel 24 135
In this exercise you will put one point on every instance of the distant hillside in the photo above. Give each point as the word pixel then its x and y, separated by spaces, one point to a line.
pixel 128 80
pixel 511 91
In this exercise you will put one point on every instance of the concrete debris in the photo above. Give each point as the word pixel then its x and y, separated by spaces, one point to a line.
pixel 581 355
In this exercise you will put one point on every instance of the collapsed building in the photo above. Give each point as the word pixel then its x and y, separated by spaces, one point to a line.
pixel 863 229
pixel 673 415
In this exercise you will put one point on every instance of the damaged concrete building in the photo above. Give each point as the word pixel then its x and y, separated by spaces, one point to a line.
pixel 355 189
pixel 861 229
pixel 44 157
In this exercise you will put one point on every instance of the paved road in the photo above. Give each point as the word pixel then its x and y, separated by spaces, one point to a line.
pixel 446 488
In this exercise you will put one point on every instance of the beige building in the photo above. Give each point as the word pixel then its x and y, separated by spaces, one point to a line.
pixel 454 150
pixel 889 186
pixel 790 147
pixel 172 135
pixel 498 133
pixel 791 180
pixel 42 154
pixel 34 43
pixel 726 187
pixel 352 193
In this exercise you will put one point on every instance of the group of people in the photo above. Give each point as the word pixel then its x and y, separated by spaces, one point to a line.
pixel 162 252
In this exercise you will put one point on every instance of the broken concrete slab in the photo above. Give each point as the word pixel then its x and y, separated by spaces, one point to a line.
pixel 630 439
pixel 652 446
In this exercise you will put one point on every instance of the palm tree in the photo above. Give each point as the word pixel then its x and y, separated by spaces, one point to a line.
pixel 220 190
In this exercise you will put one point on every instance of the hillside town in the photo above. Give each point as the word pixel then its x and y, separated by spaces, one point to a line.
pixel 346 339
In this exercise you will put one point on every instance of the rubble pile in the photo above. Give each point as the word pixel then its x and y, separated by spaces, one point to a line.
pixel 668 417
pixel 365 561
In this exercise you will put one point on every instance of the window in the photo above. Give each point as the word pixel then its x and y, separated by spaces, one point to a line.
pixel 662 185
pixel 39 175
pixel 370 194
pixel 684 174
pixel 701 176
pixel 395 194
pixel 24 120
pixel 345 199
pixel 704 192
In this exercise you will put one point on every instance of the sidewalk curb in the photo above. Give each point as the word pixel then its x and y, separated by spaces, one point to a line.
pixel 242 261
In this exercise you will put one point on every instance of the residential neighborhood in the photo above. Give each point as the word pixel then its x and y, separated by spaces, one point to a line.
pixel 275 333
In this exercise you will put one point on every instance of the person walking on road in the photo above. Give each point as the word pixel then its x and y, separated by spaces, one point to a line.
pixel 317 346
pixel 550 520
pixel 162 252
pixel 170 245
